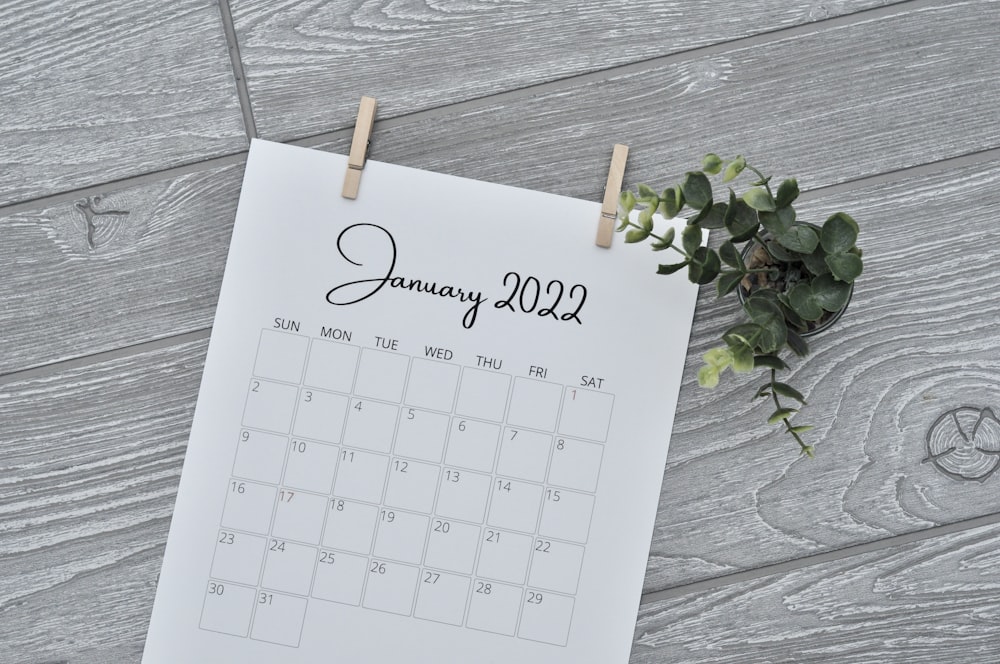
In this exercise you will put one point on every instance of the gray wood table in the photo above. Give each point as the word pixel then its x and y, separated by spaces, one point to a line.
pixel 124 126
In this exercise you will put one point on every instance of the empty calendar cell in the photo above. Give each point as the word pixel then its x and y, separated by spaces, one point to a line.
pixel 472 444
pixel 534 404
pixel 452 546
pixel 381 375
pixel 311 465
pixel 463 495
pixel 360 475
pixel 401 535
pixel 482 394
pixel 299 516
pixel 586 414
pixel 350 526
pixel 269 406
pixel 390 587
pixel 370 425
pixel 421 434
pixel 575 464
pixel 238 557
pixel 494 607
pixel 331 365
pixel 227 608
pixel 248 506
pixel 411 485
pixel 278 618
pixel 340 577
pixel 320 415
pixel 524 454
pixel 504 556
pixel 442 597
pixel 566 515
pixel 260 456
pixel 288 567
pixel 431 384
pixel 514 505
pixel 555 566
pixel 281 356
pixel 546 617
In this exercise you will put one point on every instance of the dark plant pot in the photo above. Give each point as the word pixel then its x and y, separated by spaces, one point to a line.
pixel 823 324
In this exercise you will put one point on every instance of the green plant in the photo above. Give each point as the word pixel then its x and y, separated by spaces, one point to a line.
pixel 794 276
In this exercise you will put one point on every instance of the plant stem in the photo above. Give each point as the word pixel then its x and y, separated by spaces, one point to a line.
pixel 763 179
pixel 661 239
pixel 788 425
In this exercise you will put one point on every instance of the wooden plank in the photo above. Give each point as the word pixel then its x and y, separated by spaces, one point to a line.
pixel 85 502
pixel 833 129
pixel 918 341
pixel 929 601
pixel 108 271
pixel 92 94
pixel 307 64
pixel 804 105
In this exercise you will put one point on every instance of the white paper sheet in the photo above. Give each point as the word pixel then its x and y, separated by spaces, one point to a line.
pixel 432 427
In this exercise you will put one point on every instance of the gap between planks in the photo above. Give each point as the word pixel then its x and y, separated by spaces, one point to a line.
pixel 759 39
pixel 819 558
pixel 238 72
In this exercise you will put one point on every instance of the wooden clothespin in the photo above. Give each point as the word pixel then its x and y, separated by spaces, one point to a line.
pixel 359 147
pixel 609 210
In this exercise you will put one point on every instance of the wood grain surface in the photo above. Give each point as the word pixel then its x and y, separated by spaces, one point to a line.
pixel 308 64
pixel 937 600
pixel 97 91
pixel 853 125
pixel 918 341
pixel 115 269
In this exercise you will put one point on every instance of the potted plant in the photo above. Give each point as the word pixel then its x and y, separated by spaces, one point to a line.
pixel 793 279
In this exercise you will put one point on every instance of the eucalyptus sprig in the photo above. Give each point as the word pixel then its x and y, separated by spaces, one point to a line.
pixel 792 276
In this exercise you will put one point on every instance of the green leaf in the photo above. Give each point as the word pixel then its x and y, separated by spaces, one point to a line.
pixel 780 253
pixel 742 221
pixel 670 269
pixel 702 214
pixel 728 281
pixel 672 202
pixel 803 302
pixel 646 219
pixel 708 377
pixel 704 266
pixel 759 199
pixel 744 334
pixel 768 315
pixel 779 221
pixel 711 164
pixel 691 238
pixel 742 359
pixel 829 293
pixel 626 202
pixel 714 218
pixel 645 191
pixel 797 344
pixel 762 392
pixel 846 267
pixel 786 390
pixel 734 168
pixel 840 232
pixel 668 239
pixel 781 414
pixel 788 191
pixel 800 238
pixel 802 428
pixel 636 235
pixel 815 262
pixel 697 189
pixel 730 255
pixel 770 362
pixel 720 358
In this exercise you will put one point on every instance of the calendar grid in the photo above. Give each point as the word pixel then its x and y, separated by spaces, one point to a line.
pixel 406 485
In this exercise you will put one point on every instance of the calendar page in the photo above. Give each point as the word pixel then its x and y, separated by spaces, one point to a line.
pixel 432 427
